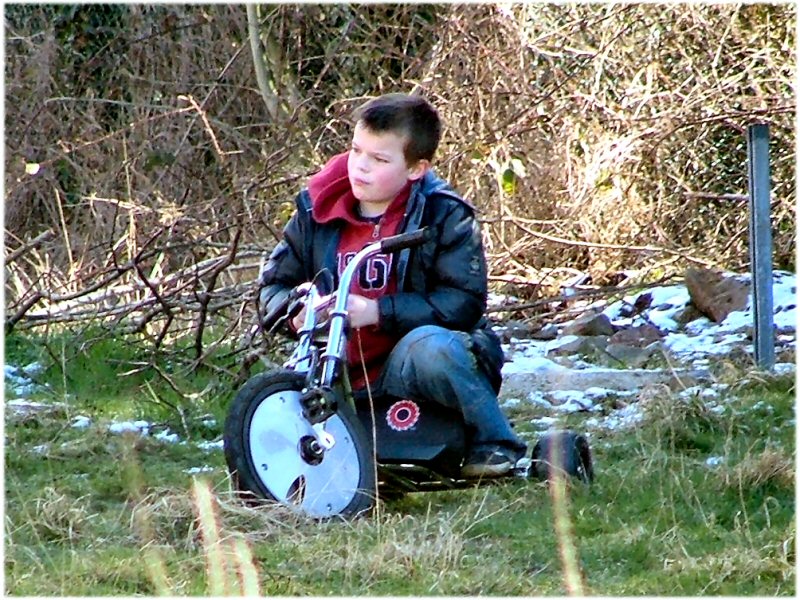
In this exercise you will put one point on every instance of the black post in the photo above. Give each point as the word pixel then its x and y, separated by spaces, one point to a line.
pixel 761 245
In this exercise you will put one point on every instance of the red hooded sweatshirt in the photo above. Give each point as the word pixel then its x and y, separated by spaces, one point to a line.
pixel 332 198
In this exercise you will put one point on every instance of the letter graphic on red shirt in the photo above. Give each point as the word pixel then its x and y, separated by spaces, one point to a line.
pixel 373 274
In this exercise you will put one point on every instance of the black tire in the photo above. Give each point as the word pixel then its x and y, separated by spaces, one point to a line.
pixel 563 452
pixel 265 428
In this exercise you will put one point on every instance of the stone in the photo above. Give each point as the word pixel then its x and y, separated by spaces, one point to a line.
pixel 546 333
pixel 715 295
pixel 515 330
pixel 639 337
pixel 632 356
pixel 688 314
pixel 577 344
pixel 642 303
pixel 520 385
pixel 590 323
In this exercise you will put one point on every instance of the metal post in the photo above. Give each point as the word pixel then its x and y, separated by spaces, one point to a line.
pixel 760 245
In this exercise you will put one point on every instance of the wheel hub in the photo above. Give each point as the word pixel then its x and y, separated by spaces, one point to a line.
pixel 310 450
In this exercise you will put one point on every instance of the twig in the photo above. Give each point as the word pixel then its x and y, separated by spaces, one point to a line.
pixel 39 239
pixel 709 196
pixel 559 240
pixel 737 115
pixel 10 323
pixel 162 301
pixel 64 231
pixel 578 295
pixel 190 99
pixel 205 297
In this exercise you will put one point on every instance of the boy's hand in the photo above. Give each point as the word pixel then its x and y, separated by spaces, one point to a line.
pixel 297 321
pixel 322 306
pixel 362 311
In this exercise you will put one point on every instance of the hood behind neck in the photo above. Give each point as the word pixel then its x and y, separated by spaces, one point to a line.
pixel 332 196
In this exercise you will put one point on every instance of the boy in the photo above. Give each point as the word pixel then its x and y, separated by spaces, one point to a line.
pixel 416 317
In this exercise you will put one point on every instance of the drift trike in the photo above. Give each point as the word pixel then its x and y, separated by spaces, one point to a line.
pixel 296 436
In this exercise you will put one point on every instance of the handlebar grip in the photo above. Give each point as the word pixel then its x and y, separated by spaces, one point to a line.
pixel 396 243
pixel 273 316
pixel 286 309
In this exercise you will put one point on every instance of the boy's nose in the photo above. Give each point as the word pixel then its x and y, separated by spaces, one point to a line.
pixel 362 164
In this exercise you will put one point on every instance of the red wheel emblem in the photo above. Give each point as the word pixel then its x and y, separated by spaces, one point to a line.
pixel 402 415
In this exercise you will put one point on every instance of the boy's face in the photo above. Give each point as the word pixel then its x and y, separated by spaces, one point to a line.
pixel 377 167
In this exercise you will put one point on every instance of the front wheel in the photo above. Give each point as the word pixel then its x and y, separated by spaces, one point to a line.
pixel 271 451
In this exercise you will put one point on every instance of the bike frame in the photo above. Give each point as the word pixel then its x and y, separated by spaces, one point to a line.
pixel 320 399
pixel 305 357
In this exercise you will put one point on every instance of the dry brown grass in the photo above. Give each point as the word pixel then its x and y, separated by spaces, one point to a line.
pixel 57 518
pixel 771 466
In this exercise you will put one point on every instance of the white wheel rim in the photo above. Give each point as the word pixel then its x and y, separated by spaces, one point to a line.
pixel 276 428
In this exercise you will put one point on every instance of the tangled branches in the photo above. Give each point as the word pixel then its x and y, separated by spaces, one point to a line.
pixel 613 138
pixel 145 176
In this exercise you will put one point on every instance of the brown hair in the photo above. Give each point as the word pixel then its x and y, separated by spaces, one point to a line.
pixel 404 114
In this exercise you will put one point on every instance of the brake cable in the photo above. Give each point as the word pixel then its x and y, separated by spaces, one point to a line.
pixel 371 411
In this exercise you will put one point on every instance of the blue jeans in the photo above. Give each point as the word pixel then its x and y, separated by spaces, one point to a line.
pixel 436 364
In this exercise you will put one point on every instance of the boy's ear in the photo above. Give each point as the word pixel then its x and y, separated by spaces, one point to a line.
pixel 419 169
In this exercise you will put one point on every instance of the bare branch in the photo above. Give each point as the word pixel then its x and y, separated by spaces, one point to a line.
pixel 43 237
pixel 262 76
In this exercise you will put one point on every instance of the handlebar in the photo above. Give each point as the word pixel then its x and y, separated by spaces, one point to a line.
pixel 402 241
pixel 273 317
pixel 285 310
pixel 289 306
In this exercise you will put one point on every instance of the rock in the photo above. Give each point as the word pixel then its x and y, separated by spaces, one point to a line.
pixel 688 314
pixel 715 295
pixel 577 344
pixel 522 384
pixel 590 323
pixel 546 333
pixel 639 305
pixel 642 302
pixel 632 356
pixel 515 330
pixel 640 336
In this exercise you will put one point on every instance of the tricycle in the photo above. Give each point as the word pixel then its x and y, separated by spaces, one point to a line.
pixel 300 436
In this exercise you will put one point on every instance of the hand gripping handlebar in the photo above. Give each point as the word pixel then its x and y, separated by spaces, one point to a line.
pixel 395 243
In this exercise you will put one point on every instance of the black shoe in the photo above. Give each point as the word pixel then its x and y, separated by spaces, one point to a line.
pixel 489 461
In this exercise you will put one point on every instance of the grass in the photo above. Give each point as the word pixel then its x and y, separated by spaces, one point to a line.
pixel 92 513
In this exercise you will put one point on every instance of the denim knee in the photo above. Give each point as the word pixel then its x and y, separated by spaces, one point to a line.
pixel 431 349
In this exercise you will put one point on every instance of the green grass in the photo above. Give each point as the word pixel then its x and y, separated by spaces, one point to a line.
pixel 84 507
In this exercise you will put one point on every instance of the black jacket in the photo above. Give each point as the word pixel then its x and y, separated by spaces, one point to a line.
pixel 442 282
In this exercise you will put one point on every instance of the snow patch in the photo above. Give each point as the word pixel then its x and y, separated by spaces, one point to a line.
pixel 197 470
pixel 81 422
pixel 620 419
pixel 700 344
pixel 140 427
pixel 166 436
pixel 208 446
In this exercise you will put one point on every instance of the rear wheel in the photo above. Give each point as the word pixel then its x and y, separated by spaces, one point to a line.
pixel 565 452
pixel 272 452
